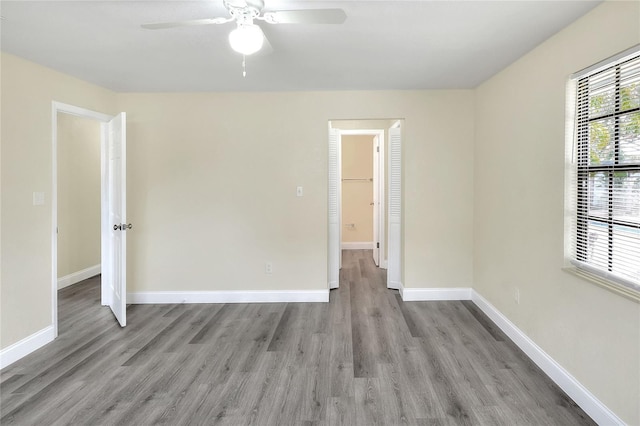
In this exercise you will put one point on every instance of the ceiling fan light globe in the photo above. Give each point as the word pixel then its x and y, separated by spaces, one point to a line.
pixel 246 39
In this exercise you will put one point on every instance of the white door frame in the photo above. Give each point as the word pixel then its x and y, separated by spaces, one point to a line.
pixel 334 180
pixel 58 107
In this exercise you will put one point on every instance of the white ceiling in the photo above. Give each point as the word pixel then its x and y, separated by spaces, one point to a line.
pixel 381 45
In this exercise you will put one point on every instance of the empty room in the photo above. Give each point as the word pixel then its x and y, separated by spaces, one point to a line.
pixel 276 212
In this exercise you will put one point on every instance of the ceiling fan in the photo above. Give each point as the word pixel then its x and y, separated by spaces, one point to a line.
pixel 248 38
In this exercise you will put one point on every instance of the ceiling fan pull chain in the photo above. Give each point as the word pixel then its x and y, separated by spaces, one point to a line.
pixel 244 66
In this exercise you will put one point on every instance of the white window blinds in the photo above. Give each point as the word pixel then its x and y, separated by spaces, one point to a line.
pixel 605 234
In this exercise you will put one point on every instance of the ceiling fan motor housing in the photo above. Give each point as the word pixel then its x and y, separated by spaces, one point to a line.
pixel 244 11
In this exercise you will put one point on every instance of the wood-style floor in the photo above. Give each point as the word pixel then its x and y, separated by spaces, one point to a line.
pixel 365 358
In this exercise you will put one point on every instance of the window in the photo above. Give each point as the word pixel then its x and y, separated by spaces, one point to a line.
pixel 605 181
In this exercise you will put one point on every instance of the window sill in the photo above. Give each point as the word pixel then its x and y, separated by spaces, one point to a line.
pixel 612 286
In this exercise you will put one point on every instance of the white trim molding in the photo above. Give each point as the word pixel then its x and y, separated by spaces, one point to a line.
pixel 276 296
pixel 76 277
pixel 365 245
pixel 599 412
pixel 24 347
pixel 427 294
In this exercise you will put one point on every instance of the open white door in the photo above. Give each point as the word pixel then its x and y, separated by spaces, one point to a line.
pixel 376 201
pixel 394 275
pixel 334 253
pixel 115 270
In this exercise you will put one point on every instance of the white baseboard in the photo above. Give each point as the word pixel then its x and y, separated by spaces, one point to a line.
pixel 426 294
pixel 357 246
pixel 282 296
pixel 581 395
pixel 76 277
pixel 24 347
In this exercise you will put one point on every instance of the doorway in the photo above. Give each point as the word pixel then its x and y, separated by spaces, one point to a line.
pixel 112 196
pixel 387 173
pixel 78 196
pixel 362 192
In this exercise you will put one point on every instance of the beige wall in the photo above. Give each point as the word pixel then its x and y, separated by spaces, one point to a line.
pixel 362 124
pixel 78 194
pixel 357 163
pixel 212 193
pixel 212 187
pixel 26 107
pixel 518 224
pixel 2 345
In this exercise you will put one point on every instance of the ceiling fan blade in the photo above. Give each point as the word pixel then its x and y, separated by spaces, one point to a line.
pixel 310 16
pixel 164 25
pixel 235 3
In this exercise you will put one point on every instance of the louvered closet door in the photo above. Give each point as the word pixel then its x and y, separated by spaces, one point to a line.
pixel 334 254
pixel 395 208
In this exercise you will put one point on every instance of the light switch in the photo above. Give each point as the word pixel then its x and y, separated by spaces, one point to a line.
pixel 299 191
pixel 38 198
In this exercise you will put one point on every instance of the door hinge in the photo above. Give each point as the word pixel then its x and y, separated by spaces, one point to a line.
pixel 378 148
pixel 377 245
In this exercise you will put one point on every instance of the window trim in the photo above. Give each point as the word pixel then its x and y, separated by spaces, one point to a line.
pixel 606 63
pixel 609 283
pixel 614 283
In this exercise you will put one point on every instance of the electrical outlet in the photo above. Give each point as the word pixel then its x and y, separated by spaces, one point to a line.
pixel 516 295
pixel 268 268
